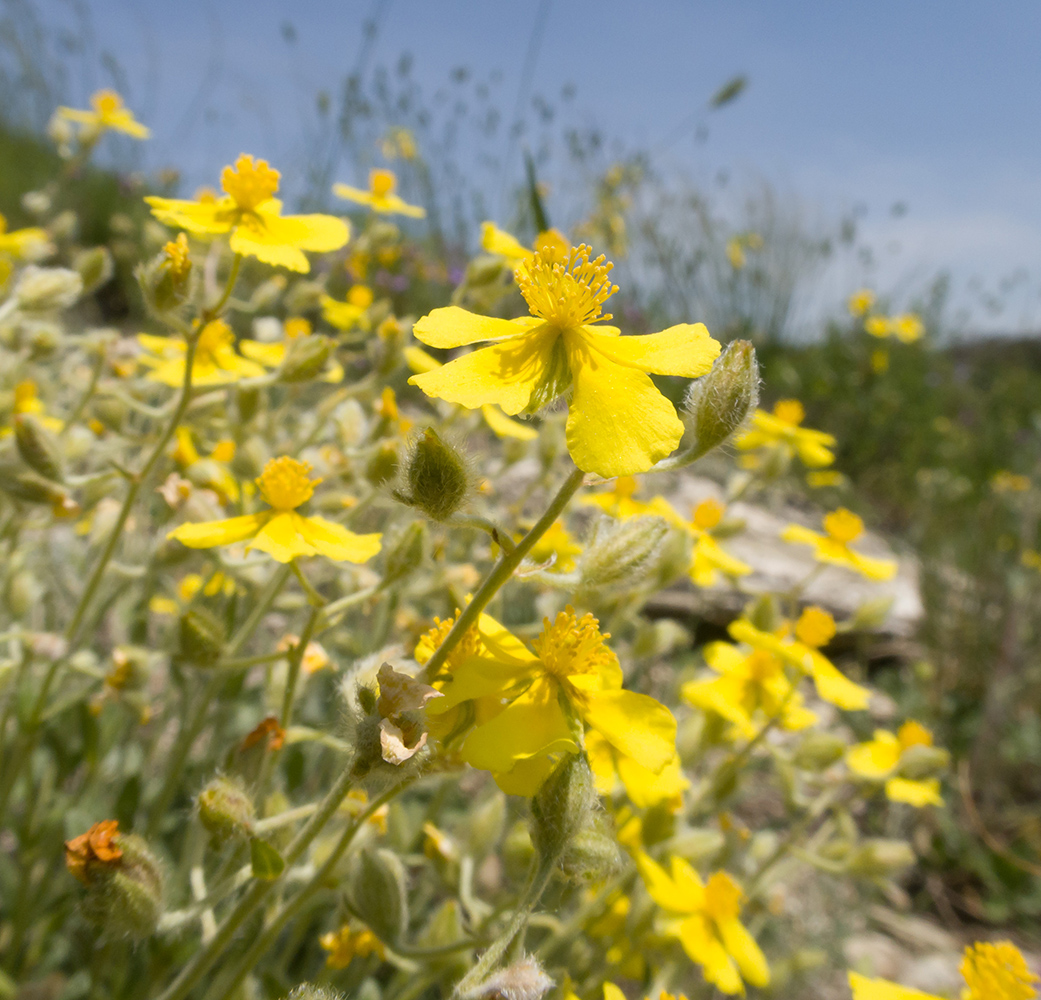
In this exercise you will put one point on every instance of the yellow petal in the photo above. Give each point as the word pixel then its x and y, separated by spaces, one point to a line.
pixel 876 758
pixel 661 888
pixel 280 538
pixel 451 326
pixel 618 423
pixel 834 686
pixel 645 788
pixel 208 534
pixel 498 241
pixel 880 989
pixel 533 725
pixel 336 542
pixel 266 354
pixel 874 569
pixel 707 950
pixel 419 361
pixel 799 535
pixel 915 793
pixel 686 349
pixel 635 724
pixel 526 776
pixel 724 657
pixel 197 217
pixel 354 194
pixel 506 374
pixel 504 427
pixel 744 950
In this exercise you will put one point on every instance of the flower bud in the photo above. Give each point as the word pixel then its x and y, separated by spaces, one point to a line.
pixel 226 810
pixel 305 358
pixel 37 446
pixel 303 297
pixel 111 412
pixel 437 477
pixel 166 280
pixel 818 751
pixel 46 289
pixel 872 614
pixel 31 487
pixel 763 613
pixel 563 806
pixel 881 858
pixel 622 553
pixel 307 991
pixel 406 553
pixel 717 404
pixel 125 894
pixel 95 267
pixel 592 856
pixel 376 889
pixel 383 465
pixel 920 762
pixel 200 638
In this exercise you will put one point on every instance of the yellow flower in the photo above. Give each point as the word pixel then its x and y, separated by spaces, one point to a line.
pixel 1004 481
pixel 215 363
pixel 557 545
pixel 282 532
pixel 840 528
pixel 380 197
pixel 108 112
pixel 344 944
pixel 502 244
pixel 991 972
pixel 736 254
pixel 880 759
pixel 272 354
pixel 354 312
pixel 30 244
pixel 27 400
pixel 212 472
pixel 531 706
pixel 437 844
pixel 908 327
pixel 500 424
pixel 781 429
pixel 752 689
pixel 705 921
pixel 644 788
pixel 618 423
pixel 861 301
pixel 708 557
pixel 253 216
pixel 619 502
pixel 815 628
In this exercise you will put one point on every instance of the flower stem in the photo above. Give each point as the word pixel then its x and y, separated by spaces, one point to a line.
pixel 502 572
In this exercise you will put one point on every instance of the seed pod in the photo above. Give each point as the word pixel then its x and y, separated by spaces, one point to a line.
pixel 376 889
pixel 920 762
pixel 818 751
pixel 125 897
pixel 38 446
pixel 226 810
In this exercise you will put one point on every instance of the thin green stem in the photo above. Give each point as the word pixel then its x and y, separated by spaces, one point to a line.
pixel 502 572
pixel 214 311
pixel 88 393
pixel 296 657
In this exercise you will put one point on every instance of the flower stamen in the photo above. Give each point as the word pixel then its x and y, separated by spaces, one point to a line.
pixel 568 292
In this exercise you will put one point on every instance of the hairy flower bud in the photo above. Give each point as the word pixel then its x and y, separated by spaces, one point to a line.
pixel 376 889
pixel 920 762
pixel 563 806
pixel 47 289
pixel 38 446
pixel 305 358
pixel 95 267
pixel 881 858
pixel 125 893
pixel 200 638
pixel 523 980
pixel 818 751
pixel 592 856
pixel 226 810
pixel 31 487
pixel 166 280
pixel 437 477
pixel 622 553
pixel 717 404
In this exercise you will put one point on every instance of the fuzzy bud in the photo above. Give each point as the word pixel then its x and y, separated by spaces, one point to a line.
pixel 622 553
pixel 406 554
pixel 383 465
pixel 563 806
pixel 764 613
pixel 47 289
pixel 818 751
pixel 95 267
pixel 881 857
pixel 200 638
pixel 872 614
pixel 226 810
pixel 31 487
pixel 37 446
pixel 376 889
pixel 307 991
pixel 717 404
pixel 305 358
pixel 125 896
pixel 592 856
pixel 165 280
pixel 920 762
pixel 437 478
pixel 523 980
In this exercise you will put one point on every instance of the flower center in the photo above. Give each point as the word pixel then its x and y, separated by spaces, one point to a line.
pixel 106 102
pixel 285 483
pixel 360 296
pixel 914 734
pixel 569 290
pixel 382 182
pixel 215 337
pixel 296 326
pixel 708 514
pixel 843 526
pixel 177 257
pixel 997 972
pixel 722 897
pixel 790 411
pixel 248 183
pixel 572 645
pixel 815 628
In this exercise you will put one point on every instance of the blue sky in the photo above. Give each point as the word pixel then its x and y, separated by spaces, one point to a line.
pixel 932 105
